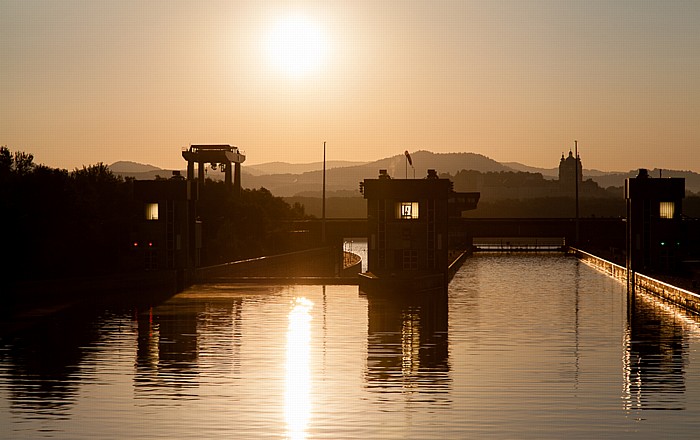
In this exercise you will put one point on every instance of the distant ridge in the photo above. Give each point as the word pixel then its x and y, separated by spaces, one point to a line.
pixel 553 173
pixel 344 176
pixel 297 168
pixel 126 166
pixel 442 162
pixel 348 178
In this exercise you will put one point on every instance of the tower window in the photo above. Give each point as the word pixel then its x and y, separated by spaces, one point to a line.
pixel 151 211
pixel 407 210
pixel 667 209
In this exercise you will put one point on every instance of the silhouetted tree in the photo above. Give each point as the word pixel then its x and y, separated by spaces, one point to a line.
pixel 248 225
pixel 5 164
pixel 60 224
pixel 23 163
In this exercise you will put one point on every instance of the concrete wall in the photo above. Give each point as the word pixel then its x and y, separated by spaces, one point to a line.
pixel 456 259
pixel 673 294
pixel 319 262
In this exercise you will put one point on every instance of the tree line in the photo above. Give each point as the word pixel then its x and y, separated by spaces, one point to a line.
pixel 58 224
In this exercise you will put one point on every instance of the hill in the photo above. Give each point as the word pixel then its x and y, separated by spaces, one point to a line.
pixel 296 168
pixel 348 178
pixel 126 166
pixel 344 176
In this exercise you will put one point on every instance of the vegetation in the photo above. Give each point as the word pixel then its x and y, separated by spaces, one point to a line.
pixel 549 207
pixel 510 184
pixel 249 225
pixel 70 224
pixel 58 223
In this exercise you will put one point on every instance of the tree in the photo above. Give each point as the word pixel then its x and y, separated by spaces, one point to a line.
pixel 24 162
pixel 5 163
pixel 249 225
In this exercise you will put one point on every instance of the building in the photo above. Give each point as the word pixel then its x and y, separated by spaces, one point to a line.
pixel 569 169
pixel 408 231
pixel 655 239
pixel 167 235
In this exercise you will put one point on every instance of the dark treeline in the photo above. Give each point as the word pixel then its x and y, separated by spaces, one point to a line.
pixel 549 207
pixel 244 226
pixel 475 179
pixel 498 184
pixel 57 223
pixel 562 207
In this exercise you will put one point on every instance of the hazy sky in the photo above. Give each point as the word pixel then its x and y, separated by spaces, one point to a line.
pixel 93 81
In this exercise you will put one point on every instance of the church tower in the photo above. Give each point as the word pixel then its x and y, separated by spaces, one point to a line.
pixel 567 170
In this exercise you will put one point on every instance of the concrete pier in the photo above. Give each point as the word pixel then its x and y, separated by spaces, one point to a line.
pixel 311 266
pixel 680 297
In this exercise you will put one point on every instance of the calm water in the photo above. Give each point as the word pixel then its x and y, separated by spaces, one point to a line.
pixel 525 346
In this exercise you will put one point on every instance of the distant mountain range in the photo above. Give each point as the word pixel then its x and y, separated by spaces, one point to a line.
pixel 296 168
pixel 342 177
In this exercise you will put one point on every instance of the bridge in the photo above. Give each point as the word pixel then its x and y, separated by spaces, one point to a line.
pixel 321 262
pixel 602 233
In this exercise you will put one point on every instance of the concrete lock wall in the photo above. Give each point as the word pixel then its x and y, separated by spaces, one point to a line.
pixel 643 283
pixel 309 263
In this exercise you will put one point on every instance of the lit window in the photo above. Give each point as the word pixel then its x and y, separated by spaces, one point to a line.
pixel 667 209
pixel 151 211
pixel 407 210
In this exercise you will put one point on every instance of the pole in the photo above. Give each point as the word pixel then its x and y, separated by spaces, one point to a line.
pixel 576 180
pixel 406 158
pixel 323 205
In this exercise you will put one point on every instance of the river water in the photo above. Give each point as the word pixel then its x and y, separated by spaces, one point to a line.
pixel 523 346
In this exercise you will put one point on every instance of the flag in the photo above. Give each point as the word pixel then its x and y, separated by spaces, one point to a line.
pixel 408 157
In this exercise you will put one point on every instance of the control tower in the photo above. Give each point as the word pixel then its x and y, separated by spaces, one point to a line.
pixel 408 231
pixel 216 155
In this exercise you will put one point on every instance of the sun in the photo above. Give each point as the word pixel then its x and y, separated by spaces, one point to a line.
pixel 296 45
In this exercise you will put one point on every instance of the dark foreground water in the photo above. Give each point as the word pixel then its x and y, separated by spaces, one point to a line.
pixel 526 346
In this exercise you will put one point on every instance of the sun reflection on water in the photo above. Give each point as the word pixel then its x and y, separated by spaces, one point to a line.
pixel 297 400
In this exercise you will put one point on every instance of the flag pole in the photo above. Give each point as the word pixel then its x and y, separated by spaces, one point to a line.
pixel 577 177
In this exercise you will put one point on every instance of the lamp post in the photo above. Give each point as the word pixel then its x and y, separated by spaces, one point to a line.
pixel 323 203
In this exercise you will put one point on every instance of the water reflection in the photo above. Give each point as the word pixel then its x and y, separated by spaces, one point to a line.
pixel 167 347
pixel 656 354
pixel 297 399
pixel 173 336
pixel 524 352
pixel 407 344
pixel 43 364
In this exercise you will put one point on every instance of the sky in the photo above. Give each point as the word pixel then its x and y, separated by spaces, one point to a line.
pixel 91 81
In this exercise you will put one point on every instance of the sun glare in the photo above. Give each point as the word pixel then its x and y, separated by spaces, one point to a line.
pixel 296 45
pixel 298 379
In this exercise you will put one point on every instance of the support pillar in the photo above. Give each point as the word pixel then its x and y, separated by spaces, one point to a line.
pixel 237 178
pixel 227 174
pixel 200 173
